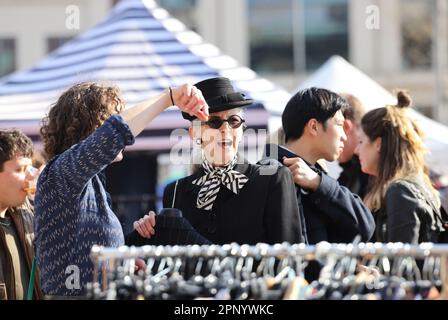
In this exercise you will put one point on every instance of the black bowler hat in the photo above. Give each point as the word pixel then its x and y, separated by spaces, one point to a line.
pixel 220 95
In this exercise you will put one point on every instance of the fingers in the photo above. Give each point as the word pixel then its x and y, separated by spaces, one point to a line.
pixel 186 91
pixel 178 94
pixel 193 102
pixel 200 108
pixel 140 264
pixel 190 100
pixel 182 95
pixel 141 230
pixel 138 229
pixel 152 218
pixel 203 114
pixel 292 161
pixel 293 165
pixel 289 161
pixel 145 225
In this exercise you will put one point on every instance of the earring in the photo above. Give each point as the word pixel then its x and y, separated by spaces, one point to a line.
pixel 199 141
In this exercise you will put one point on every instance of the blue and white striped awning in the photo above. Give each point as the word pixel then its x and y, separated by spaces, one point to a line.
pixel 143 50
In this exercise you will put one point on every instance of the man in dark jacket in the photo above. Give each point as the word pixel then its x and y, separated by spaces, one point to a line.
pixel 313 127
pixel 16 217
pixel 351 176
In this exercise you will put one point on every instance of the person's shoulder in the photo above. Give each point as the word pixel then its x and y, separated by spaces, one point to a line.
pixel 49 166
pixel 402 185
pixel 270 162
pixel 269 169
pixel 402 191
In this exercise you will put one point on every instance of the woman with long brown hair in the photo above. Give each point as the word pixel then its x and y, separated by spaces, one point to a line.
pixel 405 204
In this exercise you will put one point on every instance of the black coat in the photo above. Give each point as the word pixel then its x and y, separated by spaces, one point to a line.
pixel 265 210
pixel 353 178
pixel 332 213
pixel 408 214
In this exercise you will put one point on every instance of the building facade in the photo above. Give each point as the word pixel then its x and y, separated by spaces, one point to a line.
pixel 283 40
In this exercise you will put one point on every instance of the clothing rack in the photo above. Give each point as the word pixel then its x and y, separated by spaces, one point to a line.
pixel 283 251
pixel 423 250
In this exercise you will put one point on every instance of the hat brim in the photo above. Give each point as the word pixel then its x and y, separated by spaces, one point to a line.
pixel 222 107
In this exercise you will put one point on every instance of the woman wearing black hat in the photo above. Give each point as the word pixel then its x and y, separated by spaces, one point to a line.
pixel 227 199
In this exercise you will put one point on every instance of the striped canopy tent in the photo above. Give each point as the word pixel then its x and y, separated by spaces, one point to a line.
pixel 143 50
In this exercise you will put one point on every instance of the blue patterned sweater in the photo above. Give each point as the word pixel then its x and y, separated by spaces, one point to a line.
pixel 73 210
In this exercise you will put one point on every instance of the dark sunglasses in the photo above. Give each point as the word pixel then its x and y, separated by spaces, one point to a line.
pixel 234 122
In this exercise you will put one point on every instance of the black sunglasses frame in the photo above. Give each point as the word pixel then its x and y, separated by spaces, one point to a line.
pixel 221 122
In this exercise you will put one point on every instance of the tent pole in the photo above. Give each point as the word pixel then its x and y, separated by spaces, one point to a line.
pixel 298 36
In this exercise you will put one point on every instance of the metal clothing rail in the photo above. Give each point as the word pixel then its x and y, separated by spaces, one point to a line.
pixel 303 252
pixel 283 250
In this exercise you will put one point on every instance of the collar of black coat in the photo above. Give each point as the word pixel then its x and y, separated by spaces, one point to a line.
pixel 277 152
pixel 353 162
pixel 243 168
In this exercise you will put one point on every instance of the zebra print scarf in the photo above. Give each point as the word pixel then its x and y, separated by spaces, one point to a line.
pixel 213 179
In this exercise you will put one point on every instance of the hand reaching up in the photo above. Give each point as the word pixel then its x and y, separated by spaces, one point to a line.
pixel 189 99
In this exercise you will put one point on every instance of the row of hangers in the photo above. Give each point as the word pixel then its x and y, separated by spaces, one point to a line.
pixel 362 271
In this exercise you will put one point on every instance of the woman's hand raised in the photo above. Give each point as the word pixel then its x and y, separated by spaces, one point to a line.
pixel 189 99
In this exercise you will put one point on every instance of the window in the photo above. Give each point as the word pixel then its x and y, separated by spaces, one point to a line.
pixel 293 35
pixel 55 42
pixel 183 10
pixel 416 28
pixel 326 30
pixel 271 42
pixel 7 56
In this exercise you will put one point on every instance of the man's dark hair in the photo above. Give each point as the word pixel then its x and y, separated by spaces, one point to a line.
pixel 312 103
pixel 13 143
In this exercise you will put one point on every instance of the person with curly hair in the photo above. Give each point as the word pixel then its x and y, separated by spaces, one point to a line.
pixel 85 131
pixel 405 205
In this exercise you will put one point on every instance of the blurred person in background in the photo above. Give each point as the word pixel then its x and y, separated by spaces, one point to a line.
pixel 39 161
pixel 352 176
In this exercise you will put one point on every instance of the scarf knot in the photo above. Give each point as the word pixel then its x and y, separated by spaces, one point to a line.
pixel 214 178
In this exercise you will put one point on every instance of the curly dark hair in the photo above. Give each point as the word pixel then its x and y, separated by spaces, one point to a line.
pixel 14 143
pixel 77 113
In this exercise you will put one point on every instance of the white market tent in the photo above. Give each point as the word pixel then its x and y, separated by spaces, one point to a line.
pixel 143 50
pixel 338 75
